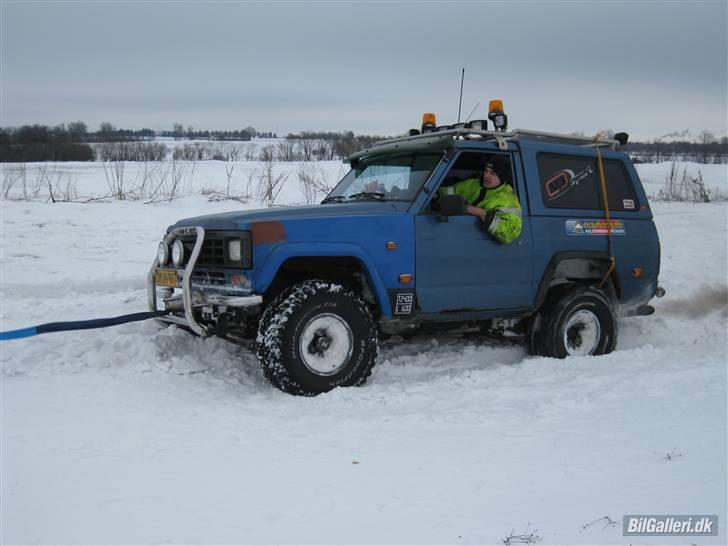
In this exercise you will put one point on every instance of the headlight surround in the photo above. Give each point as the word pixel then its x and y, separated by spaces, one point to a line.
pixel 238 249
pixel 178 252
pixel 162 253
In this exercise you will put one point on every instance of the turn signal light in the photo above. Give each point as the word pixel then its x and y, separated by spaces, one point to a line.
pixel 637 272
pixel 406 278
pixel 391 245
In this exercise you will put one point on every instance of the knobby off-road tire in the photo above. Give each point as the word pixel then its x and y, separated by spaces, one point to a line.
pixel 316 336
pixel 574 320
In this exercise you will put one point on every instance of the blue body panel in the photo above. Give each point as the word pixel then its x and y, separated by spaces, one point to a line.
pixel 360 230
pixel 637 248
pixel 460 267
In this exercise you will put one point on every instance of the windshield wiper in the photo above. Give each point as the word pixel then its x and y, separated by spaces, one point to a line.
pixel 334 198
pixel 373 194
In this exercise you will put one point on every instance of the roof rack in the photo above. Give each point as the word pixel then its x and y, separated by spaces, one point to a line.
pixel 501 137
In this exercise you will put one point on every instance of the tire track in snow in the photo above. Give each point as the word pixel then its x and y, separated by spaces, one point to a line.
pixel 69 287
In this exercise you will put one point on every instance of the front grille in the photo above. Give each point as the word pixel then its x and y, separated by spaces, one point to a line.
pixel 211 278
pixel 213 252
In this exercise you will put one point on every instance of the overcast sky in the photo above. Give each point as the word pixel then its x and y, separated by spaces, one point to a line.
pixel 648 68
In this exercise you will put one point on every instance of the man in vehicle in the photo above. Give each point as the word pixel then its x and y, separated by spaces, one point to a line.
pixel 492 199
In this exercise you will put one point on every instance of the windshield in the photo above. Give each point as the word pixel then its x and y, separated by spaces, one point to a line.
pixel 386 178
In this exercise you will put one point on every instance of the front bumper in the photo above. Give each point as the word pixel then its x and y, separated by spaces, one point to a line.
pixel 192 298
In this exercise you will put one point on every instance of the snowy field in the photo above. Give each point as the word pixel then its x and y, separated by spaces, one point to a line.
pixel 142 434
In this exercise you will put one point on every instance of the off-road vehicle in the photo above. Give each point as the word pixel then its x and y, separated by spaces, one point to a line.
pixel 316 286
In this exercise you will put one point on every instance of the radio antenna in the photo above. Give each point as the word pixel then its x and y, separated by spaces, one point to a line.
pixel 467 120
pixel 460 104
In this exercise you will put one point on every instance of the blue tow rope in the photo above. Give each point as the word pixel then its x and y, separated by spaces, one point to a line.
pixel 78 325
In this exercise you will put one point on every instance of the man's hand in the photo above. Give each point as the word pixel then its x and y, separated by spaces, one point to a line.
pixel 485 216
pixel 475 211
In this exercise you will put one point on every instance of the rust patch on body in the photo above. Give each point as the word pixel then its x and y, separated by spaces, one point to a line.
pixel 267 232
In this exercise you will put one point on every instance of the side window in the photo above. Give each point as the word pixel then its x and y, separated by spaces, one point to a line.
pixel 470 165
pixel 572 182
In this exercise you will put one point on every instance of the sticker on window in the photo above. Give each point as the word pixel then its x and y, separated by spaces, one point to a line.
pixel 628 203
pixel 594 227
pixel 562 181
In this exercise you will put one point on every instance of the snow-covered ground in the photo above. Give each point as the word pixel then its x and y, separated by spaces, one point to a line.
pixel 141 434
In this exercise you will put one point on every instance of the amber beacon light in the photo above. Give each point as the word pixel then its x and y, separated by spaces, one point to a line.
pixel 496 115
pixel 429 122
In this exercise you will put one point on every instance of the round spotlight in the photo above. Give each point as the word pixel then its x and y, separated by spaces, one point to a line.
pixel 178 253
pixel 162 253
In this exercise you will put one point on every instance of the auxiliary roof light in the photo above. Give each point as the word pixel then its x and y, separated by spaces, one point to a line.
pixel 429 123
pixel 497 116
pixel 478 124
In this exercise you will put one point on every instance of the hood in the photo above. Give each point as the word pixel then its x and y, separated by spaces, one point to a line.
pixel 242 219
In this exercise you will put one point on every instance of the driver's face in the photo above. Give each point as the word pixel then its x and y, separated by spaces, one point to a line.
pixel 490 179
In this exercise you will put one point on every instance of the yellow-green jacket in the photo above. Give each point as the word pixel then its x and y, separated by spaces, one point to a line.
pixel 501 203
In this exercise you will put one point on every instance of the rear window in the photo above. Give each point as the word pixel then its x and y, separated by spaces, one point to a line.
pixel 572 182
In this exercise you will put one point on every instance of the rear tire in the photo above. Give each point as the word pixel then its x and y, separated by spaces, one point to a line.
pixel 575 320
pixel 316 336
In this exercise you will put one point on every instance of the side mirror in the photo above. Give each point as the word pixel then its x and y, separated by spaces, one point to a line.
pixel 622 138
pixel 452 205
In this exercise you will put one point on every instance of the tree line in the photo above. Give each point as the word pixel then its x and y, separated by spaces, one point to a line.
pixel 707 149
pixel 74 142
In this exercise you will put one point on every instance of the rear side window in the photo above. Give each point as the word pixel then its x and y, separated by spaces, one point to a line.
pixel 572 182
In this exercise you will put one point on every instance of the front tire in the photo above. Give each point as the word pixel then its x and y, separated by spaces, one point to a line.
pixel 315 336
pixel 575 320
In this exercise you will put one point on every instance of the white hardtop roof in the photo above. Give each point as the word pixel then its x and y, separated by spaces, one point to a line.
pixel 447 138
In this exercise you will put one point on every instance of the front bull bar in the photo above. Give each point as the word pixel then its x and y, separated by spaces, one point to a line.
pixel 188 305
pixel 189 320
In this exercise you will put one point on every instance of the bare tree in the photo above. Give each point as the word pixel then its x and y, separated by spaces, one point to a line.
pixel 705 139
pixel 679 186
pixel 307 148
pixel 229 168
pixel 251 152
pixel 266 154
pixel 312 181
pixel 287 150
pixel 106 130
pixel 77 131
pixel 270 184
pixel 114 173
pixel 145 175
pixel 250 176
pixel 12 175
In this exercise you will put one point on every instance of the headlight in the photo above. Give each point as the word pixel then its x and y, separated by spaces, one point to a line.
pixel 235 250
pixel 162 253
pixel 238 249
pixel 178 253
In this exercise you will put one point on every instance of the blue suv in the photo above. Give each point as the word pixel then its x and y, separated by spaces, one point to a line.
pixel 390 252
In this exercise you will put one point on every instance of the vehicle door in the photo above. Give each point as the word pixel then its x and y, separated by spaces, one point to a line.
pixel 459 265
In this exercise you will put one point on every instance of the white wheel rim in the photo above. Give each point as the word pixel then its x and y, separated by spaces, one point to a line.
pixel 582 333
pixel 326 344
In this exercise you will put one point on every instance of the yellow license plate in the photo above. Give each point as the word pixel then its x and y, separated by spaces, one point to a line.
pixel 166 277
